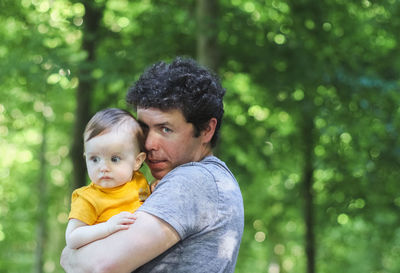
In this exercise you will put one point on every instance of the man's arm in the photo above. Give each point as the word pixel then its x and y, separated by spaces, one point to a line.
pixel 123 251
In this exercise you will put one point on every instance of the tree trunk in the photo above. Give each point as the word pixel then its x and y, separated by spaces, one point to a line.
pixel 91 21
pixel 207 37
pixel 207 33
pixel 308 142
pixel 42 206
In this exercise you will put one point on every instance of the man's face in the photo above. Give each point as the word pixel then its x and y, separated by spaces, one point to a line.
pixel 170 140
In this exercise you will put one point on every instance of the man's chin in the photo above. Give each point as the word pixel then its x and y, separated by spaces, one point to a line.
pixel 158 174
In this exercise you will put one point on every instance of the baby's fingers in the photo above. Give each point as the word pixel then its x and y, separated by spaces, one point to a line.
pixel 121 227
pixel 126 221
pixel 121 224
pixel 115 228
pixel 126 214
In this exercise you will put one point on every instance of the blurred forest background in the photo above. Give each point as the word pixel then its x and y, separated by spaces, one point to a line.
pixel 311 128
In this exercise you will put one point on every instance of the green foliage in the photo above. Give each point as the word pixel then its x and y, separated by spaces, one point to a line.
pixel 283 63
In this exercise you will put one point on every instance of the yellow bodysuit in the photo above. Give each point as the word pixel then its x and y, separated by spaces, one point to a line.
pixel 93 204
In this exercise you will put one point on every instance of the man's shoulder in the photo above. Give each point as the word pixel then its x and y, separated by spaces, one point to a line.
pixel 208 163
pixel 187 175
pixel 207 169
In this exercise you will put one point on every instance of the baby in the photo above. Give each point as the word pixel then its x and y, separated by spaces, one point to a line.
pixel 113 144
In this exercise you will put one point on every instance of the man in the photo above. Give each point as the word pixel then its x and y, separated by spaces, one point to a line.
pixel 193 221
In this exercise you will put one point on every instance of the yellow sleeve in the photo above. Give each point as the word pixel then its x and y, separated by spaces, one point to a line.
pixel 142 186
pixel 82 209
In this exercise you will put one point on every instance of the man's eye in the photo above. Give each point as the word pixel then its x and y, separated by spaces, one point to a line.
pixel 115 159
pixel 166 130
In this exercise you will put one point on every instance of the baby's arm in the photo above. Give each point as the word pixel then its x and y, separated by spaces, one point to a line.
pixel 79 234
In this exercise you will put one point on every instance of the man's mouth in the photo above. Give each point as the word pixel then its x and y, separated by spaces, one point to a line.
pixel 155 160
pixel 155 163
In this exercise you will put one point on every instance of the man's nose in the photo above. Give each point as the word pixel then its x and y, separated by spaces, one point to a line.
pixel 151 143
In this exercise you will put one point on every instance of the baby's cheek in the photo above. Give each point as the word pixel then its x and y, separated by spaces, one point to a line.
pixel 91 174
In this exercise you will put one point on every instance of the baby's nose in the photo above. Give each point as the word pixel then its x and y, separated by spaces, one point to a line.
pixel 104 167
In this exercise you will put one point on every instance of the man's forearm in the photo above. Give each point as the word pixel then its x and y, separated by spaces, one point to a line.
pixel 92 258
pixel 123 251
pixel 82 261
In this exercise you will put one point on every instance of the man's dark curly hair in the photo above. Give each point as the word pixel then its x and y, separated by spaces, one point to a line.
pixel 182 85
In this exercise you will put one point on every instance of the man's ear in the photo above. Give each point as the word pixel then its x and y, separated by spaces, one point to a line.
pixel 209 131
pixel 139 160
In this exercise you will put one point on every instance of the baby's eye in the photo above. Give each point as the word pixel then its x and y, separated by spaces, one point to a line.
pixel 94 159
pixel 115 159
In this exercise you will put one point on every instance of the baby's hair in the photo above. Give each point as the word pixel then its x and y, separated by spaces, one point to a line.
pixel 107 119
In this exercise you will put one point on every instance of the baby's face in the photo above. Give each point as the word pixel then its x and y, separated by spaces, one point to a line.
pixel 111 158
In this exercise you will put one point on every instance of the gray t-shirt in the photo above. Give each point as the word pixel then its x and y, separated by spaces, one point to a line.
pixel 203 203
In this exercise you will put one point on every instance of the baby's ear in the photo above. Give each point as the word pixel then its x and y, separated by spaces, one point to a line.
pixel 139 160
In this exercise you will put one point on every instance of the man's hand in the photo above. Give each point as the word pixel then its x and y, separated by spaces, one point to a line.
pixel 120 221
pixel 65 260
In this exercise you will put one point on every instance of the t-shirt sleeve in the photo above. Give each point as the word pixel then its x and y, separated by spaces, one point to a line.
pixel 142 186
pixel 82 209
pixel 186 198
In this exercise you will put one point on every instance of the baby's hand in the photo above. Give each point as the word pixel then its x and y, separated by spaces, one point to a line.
pixel 120 221
pixel 153 185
